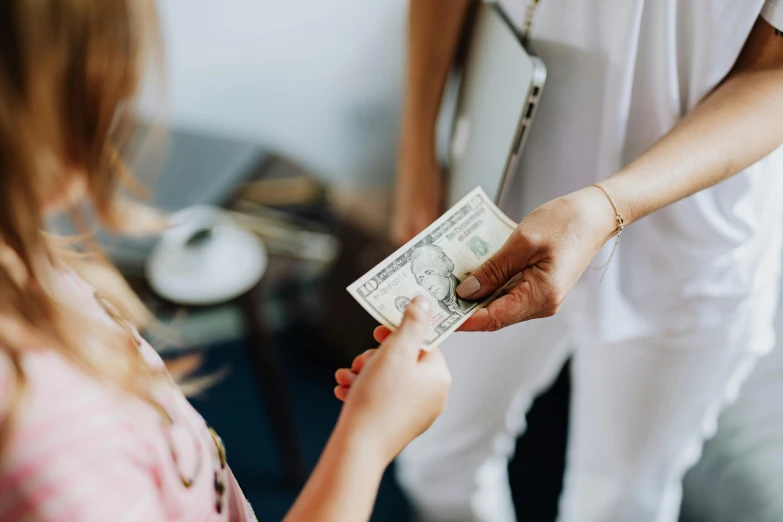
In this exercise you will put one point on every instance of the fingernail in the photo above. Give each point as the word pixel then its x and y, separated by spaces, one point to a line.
pixel 422 302
pixel 468 287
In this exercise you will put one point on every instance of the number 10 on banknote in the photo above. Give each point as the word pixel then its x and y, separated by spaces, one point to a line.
pixel 433 263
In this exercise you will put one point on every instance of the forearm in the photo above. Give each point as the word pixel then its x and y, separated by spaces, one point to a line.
pixel 434 28
pixel 738 124
pixel 343 485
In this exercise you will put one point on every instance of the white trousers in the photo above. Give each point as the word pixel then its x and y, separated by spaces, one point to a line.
pixel 640 411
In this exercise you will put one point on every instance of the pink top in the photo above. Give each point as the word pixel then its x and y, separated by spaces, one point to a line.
pixel 80 451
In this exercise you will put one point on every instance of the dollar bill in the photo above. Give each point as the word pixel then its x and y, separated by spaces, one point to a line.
pixel 433 263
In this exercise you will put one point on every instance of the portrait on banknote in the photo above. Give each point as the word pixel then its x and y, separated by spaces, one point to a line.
pixel 434 271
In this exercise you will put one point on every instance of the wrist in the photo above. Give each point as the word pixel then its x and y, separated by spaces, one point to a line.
pixel 419 122
pixel 417 157
pixel 419 171
pixel 597 212
pixel 362 442
pixel 416 148
pixel 614 185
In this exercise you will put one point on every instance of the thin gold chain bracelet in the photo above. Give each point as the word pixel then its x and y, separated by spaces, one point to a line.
pixel 619 230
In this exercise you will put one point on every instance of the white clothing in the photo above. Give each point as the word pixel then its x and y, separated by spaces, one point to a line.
pixel 686 306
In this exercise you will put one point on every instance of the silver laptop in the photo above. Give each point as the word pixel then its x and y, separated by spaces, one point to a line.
pixel 500 87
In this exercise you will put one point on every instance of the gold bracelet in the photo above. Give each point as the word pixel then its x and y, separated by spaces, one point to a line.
pixel 619 230
pixel 617 216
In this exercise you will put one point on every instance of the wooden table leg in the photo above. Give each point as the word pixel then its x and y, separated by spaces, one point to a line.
pixel 268 371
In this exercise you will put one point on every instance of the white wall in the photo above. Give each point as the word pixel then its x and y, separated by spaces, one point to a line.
pixel 320 80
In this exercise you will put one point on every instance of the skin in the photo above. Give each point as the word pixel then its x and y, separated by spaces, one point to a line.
pixel 397 396
pixel 553 246
pixel 434 28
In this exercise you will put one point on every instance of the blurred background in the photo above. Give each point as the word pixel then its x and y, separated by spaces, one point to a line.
pixel 320 81
pixel 286 115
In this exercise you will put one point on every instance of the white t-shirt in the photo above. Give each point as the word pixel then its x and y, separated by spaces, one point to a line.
pixel 621 73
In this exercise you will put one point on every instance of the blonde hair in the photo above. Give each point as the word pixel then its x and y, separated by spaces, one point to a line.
pixel 69 73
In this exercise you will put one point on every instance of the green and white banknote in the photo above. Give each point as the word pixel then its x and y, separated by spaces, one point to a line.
pixel 433 263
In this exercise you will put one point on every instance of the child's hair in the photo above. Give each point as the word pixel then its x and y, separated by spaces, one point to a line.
pixel 69 72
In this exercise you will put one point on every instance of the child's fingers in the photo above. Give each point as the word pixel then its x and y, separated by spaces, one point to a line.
pixel 361 360
pixel 344 377
pixel 434 355
pixel 341 392
pixel 381 333
pixel 408 337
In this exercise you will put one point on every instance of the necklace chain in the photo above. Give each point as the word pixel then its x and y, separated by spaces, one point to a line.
pixel 530 13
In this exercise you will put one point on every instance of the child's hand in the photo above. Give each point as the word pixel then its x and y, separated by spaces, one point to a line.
pixel 394 393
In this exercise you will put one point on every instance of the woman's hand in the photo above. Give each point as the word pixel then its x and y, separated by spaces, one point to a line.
pixel 554 245
pixel 550 248
pixel 394 393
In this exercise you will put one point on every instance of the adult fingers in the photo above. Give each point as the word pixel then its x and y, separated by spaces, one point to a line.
pixel 512 258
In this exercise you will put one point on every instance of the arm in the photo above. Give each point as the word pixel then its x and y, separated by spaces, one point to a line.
pixel 434 28
pixel 742 119
pixel 343 485
pixel 398 395
pixel 738 124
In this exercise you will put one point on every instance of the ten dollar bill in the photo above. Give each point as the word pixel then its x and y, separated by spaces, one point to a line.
pixel 433 263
